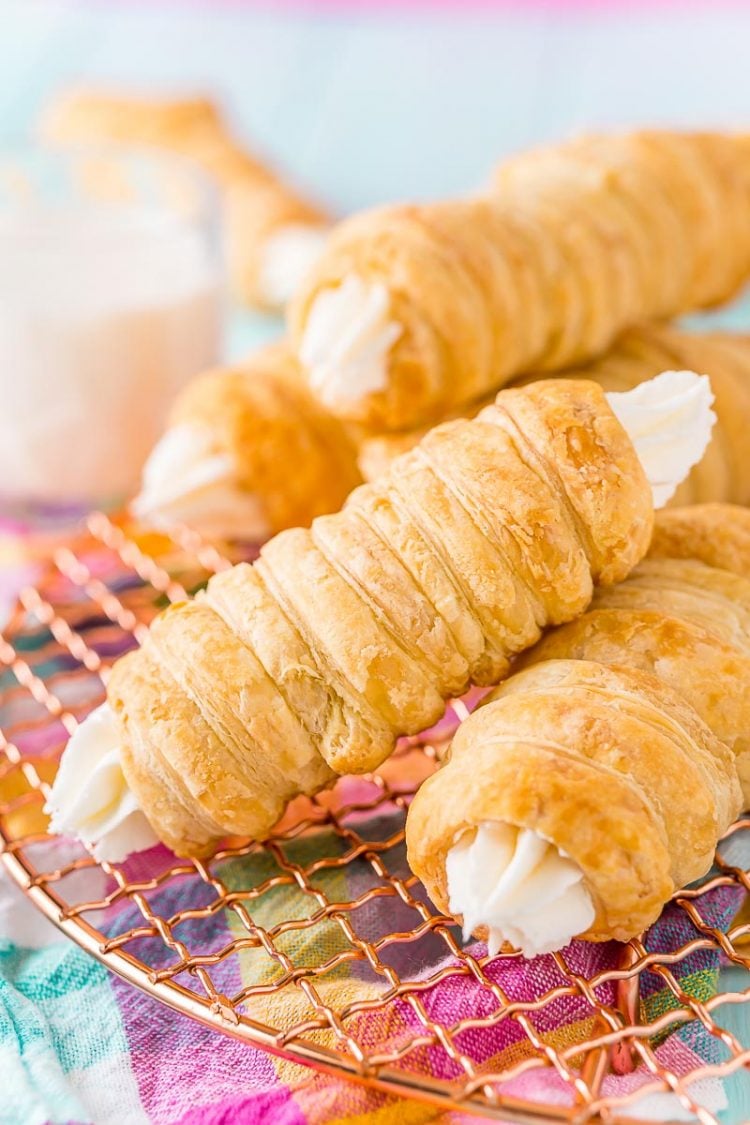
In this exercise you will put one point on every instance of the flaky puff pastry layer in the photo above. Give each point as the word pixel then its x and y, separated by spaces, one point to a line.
pixel 288 453
pixel 343 637
pixel 684 620
pixel 723 473
pixel 257 202
pixel 575 243
pixel 715 534
pixel 607 763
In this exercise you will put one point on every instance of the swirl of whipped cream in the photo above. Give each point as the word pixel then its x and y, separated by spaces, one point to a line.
pixel 286 257
pixel 91 799
pixel 518 885
pixel 348 335
pixel 187 480
pixel 669 420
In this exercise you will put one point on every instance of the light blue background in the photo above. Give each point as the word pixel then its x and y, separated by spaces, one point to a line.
pixel 368 105
pixel 379 105
pixel 371 106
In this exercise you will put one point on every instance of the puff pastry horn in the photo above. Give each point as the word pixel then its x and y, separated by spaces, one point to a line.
pixel 608 779
pixel 343 637
pixel 723 474
pixel 413 310
pixel 610 764
pixel 273 232
pixel 248 452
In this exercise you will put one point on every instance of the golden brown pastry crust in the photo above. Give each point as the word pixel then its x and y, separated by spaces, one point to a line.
pixel 716 600
pixel 289 453
pixel 715 534
pixel 576 243
pixel 345 636
pixel 622 737
pixel 681 618
pixel 608 764
pixel 722 474
pixel 256 201
pixel 699 665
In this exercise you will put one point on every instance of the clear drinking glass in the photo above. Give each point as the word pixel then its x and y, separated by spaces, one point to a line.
pixel 110 300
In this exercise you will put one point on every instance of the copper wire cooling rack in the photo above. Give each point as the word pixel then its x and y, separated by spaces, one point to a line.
pixel 294 945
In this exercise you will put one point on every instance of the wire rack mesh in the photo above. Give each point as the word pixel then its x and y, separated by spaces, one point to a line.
pixel 319 945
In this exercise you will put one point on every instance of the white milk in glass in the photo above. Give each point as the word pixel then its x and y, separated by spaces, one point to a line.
pixel 105 312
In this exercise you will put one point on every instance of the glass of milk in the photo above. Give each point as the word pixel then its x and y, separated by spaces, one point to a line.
pixel 110 300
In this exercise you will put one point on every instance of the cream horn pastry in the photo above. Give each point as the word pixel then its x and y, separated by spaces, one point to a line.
pixel 247 453
pixel 605 770
pixel 414 310
pixel 575 801
pixel 312 661
pixel 274 234
pixel 722 474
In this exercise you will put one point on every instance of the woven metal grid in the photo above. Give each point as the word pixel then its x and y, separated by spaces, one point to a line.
pixel 157 926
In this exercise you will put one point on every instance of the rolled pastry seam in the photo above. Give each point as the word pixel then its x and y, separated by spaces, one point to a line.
pixel 723 473
pixel 444 303
pixel 575 801
pixel 247 453
pixel 684 619
pixel 427 581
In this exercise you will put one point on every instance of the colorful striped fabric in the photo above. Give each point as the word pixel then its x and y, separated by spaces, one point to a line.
pixel 78 1044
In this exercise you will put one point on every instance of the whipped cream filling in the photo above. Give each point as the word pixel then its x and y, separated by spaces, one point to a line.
pixel 287 256
pixel 186 480
pixel 91 799
pixel 669 420
pixel 670 425
pixel 347 337
pixel 518 885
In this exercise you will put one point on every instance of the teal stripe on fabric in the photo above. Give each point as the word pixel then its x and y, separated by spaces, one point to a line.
pixel 48 973
pixel 35 1088
pixel 58 1018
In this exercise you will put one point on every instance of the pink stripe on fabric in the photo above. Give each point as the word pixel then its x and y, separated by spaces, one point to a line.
pixel 275 1106
pixel 178 1062
pixel 460 997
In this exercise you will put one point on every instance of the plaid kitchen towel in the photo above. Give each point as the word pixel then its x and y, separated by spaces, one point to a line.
pixel 78 1043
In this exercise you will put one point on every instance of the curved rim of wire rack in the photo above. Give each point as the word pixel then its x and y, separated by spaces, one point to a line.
pixel 220 1015
pixel 216 1010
